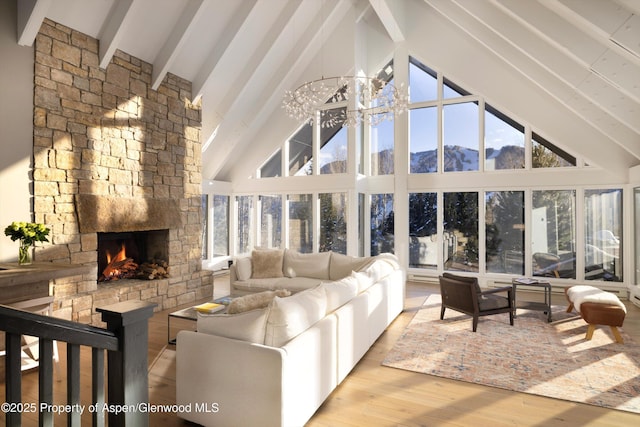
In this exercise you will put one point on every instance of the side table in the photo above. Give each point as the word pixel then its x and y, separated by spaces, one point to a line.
pixel 533 305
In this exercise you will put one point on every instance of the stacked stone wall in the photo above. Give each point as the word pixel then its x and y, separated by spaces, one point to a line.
pixel 106 132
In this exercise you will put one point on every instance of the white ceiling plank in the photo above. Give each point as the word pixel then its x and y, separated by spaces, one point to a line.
pixel 176 40
pixel 600 19
pixel 392 21
pixel 113 30
pixel 230 32
pixel 31 14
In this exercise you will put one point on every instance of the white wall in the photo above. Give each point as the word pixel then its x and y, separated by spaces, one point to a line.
pixel 16 128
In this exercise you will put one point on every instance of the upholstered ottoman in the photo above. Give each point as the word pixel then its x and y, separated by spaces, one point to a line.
pixel 597 307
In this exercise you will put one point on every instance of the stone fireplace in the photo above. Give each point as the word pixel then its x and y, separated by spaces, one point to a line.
pixel 115 161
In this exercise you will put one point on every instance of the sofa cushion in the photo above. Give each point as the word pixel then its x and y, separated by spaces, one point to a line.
pixel 340 292
pixel 243 268
pixel 266 263
pixel 342 265
pixel 364 281
pixel 248 326
pixel 253 301
pixel 315 265
pixel 290 316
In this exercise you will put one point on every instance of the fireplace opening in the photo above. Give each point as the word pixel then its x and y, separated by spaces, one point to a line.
pixel 133 255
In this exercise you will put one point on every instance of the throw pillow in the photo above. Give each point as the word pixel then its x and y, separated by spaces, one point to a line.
pixel 315 265
pixel 290 316
pixel 253 301
pixel 266 263
pixel 243 268
pixel 248 326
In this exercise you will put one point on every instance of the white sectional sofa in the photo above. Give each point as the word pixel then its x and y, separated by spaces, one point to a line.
pixel 275 366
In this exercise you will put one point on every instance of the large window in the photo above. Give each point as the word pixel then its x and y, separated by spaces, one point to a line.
pixel 245 215
pixel 301 151
pixel 333 222
pixel 553 233
pixel 220 225
pixel 271 221
pixel 460 141
pixel 504 231
pixel 300 210
pixel 503 141
pixel 382 149
pixel 382 224
pixel 423 140
pixel 460 240
pixel 423 230
pixel 603 231
pixel 333 145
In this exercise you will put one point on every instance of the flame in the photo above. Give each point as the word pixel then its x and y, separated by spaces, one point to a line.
pixel 120 256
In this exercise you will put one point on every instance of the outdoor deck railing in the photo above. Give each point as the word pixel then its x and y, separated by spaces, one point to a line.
pixel 125 341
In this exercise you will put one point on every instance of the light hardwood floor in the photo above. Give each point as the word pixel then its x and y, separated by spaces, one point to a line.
pixel 375 395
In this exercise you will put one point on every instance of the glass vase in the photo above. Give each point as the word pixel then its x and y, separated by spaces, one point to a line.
pixel 24 254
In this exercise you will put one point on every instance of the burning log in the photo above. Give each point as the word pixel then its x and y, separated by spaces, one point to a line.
pixel 122 267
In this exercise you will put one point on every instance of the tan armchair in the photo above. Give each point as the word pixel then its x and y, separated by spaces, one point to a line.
pixel 463 294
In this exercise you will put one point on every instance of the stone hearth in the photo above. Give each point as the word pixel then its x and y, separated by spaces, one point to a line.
pixel 111 154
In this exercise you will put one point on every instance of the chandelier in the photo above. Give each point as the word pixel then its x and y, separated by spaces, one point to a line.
pixel 376 100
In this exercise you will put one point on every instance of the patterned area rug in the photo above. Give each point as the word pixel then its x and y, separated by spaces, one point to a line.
pixel 533 356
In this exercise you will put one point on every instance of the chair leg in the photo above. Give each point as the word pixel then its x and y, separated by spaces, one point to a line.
pixel 570 307
pixel 511 317
pixel 475 323
pixel 442 312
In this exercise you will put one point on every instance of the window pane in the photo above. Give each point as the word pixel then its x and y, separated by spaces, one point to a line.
pixel 205 226
pixel 245 213
pixel 423 82
pixel 460 137
pixel 460 239
pixel 220 225
pixel 423 140
pixel 423 229
pixel 300 222
pixel 553 233
pixel 546 155
pixel 333 146
pixel 271 221
pixel 300 151
pixel 382 149
pixel 333 222
pixel 273 166
pixel 503 141
pixel 382 224
pixel 504 222
pixel 603 232
pixel 452 90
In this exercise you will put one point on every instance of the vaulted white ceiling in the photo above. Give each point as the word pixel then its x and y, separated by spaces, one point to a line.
pixel 571 68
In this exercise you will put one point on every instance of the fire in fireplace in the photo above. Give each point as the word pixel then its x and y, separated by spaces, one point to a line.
pixel 133 255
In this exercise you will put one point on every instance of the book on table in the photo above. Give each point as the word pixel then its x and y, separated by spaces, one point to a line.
pixel 209 307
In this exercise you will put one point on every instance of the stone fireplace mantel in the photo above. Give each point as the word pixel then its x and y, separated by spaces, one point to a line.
pixel 118 214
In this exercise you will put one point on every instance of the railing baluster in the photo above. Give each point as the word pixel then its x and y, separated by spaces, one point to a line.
pixel 73 384
pixel 97 386
pixel 13 378
pixel 45 379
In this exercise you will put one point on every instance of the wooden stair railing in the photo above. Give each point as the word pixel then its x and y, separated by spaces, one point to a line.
pixel 125 340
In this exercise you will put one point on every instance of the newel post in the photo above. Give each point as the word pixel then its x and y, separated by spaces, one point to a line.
pixel 128 381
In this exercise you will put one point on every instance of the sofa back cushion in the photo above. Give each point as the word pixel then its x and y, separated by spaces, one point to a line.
pixel 314 265
pixel 266 263
pixel 339 292
pixel 342 265
pixel 243 268
pixel 247 326
pixel 290 316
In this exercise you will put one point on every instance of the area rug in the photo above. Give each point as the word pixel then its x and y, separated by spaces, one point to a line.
pixel 533 356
